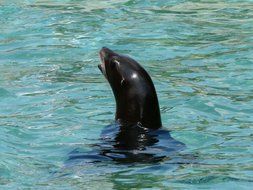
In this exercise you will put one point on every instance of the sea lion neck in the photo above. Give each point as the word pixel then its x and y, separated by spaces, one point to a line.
pixel 138 104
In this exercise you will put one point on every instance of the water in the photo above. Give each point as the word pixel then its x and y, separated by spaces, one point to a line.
pixel 54 100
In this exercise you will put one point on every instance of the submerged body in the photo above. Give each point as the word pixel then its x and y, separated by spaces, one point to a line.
pixel 131 144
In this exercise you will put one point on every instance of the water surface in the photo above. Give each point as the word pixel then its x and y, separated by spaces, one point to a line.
pixel 53 99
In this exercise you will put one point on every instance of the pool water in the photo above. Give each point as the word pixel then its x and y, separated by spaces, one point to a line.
pixel 54 100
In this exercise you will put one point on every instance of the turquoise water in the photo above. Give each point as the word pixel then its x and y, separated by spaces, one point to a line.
pixel 53 99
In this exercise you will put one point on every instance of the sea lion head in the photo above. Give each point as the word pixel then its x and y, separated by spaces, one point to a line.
pixel 135 95
pixel 118 69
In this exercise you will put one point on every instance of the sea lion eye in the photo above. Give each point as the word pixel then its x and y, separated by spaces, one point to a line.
pixel 113 62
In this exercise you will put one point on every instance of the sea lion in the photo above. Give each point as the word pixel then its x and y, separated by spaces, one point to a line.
pixel 137 135
pixel 134 91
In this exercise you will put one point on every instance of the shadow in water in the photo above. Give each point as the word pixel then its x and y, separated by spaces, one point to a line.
pixel 130 144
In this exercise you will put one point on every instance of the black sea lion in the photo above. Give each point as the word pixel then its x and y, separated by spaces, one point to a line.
pixel 134 91
pixel 136 136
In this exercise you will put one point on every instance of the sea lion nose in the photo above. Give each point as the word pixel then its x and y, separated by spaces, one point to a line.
pixel 106 52
pixel 106 49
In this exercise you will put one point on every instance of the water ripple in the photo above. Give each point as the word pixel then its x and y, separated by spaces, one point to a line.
pixel 53 98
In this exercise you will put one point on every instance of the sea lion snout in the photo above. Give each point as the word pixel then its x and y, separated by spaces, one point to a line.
pixel 106 56
pixel 106 53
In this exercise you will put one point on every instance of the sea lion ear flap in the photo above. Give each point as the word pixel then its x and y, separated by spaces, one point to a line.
pixel 123 82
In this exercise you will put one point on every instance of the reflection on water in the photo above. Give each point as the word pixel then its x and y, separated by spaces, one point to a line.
pixel 54 100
